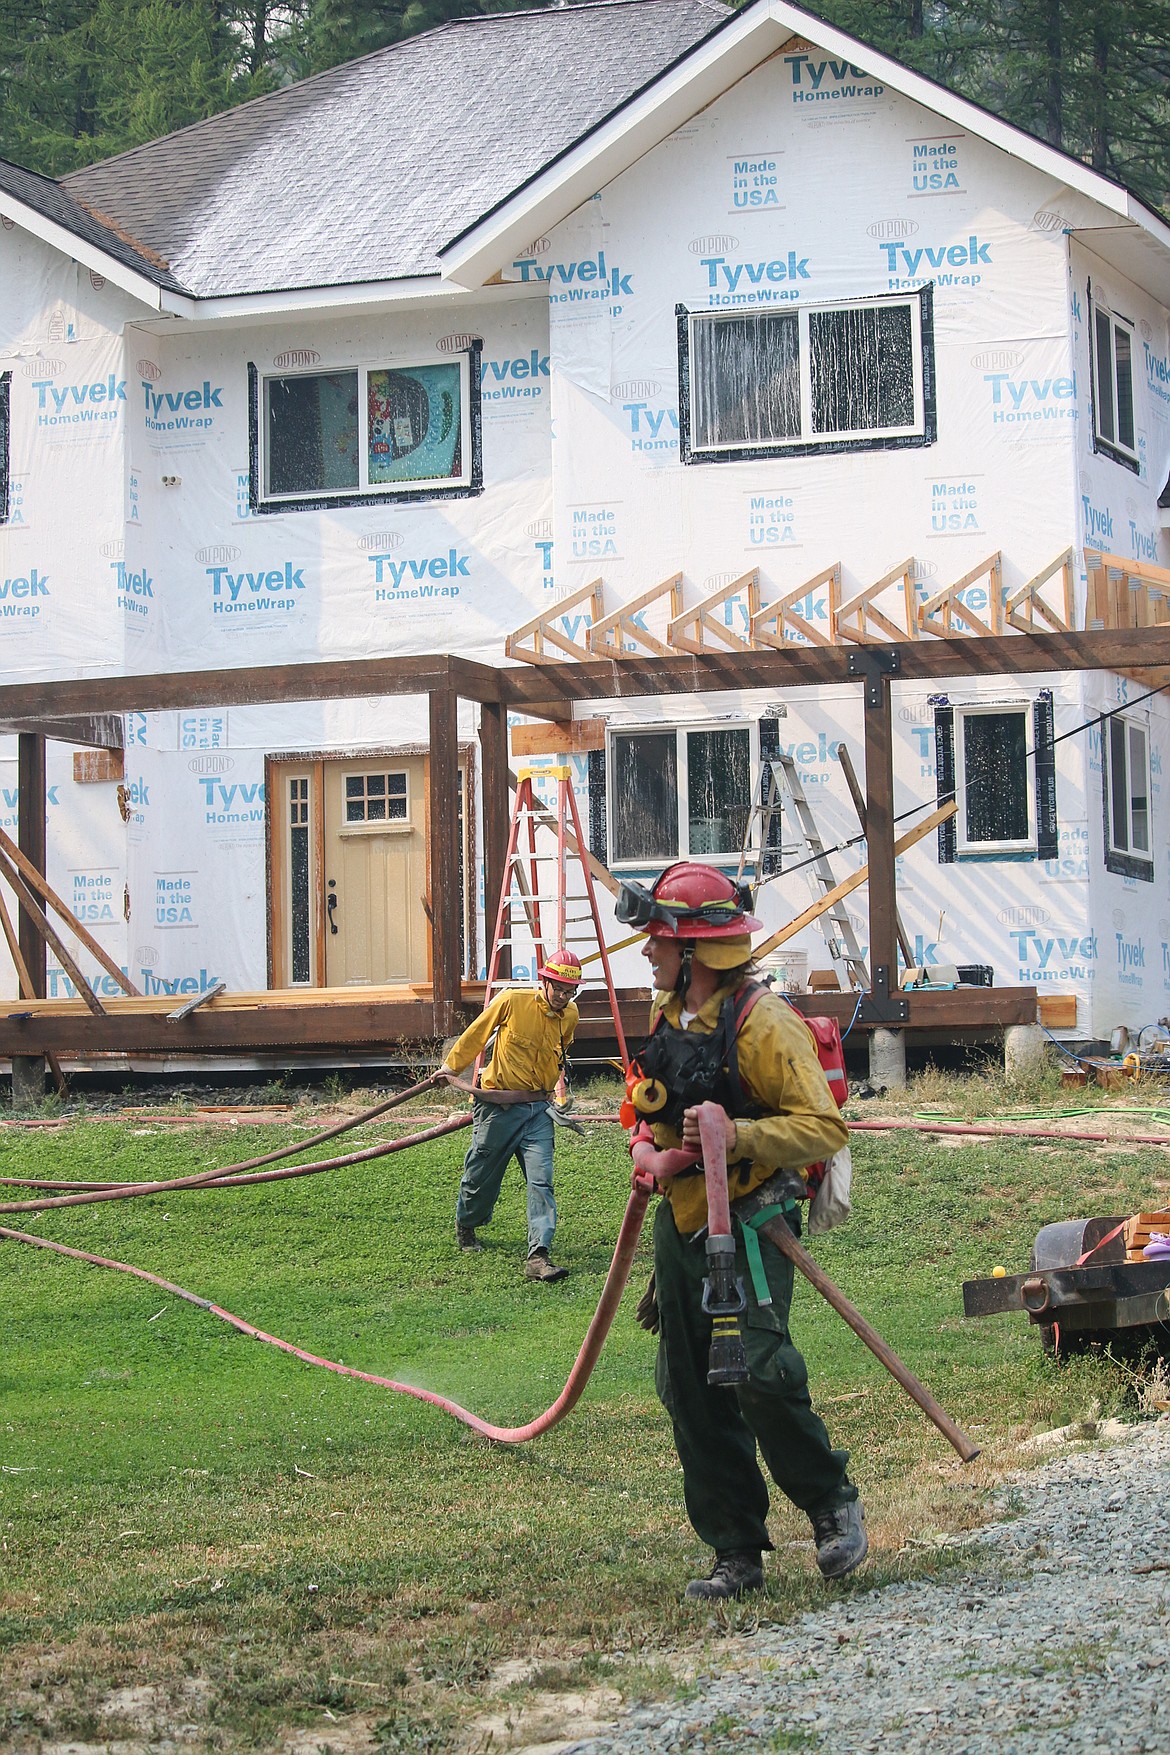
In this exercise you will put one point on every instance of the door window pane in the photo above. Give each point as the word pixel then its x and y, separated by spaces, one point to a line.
pixel 300 961
pixel 718 790
pixel 644 792
pixel 375 798
pixel 1139 802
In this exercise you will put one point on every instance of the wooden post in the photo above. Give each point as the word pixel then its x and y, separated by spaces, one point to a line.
pixel 879 835
pixel 30 838
pixel 497 814
pixel 446 901
pixel 28 1071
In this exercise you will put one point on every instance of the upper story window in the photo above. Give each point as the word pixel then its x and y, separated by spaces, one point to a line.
pixel 997 759
pixel 1113 350
pixel 856 375
pixel 342 437
pixel 678 793
pixel 1126 775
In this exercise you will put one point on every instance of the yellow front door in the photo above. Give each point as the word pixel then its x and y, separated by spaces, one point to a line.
pixel 375 871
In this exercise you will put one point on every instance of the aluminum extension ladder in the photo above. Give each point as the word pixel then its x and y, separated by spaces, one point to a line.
pixel 535 889
pixel 779 775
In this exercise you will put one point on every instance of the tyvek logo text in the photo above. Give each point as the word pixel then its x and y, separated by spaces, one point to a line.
pixel 71 405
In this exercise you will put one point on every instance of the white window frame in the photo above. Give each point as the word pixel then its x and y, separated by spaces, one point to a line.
pixel 428 487
pixel 965 848
pixel 1131 724
pixel 1113 447
pixel 918 432
pixel 681 733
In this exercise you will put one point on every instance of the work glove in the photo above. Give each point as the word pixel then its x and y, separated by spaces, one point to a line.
pixel 562 1118
pixel 646 1309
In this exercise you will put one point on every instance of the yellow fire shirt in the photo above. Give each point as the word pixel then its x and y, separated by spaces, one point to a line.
pixel 530 1041
pixel 779 1070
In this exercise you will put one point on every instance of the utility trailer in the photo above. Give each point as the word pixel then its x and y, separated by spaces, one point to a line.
pixel 1074 1301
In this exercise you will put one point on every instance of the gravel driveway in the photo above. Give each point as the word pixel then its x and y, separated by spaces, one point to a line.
pixel 1054 1640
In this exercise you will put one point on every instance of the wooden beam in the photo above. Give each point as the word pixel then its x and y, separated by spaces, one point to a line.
pixel 569 737
pixel 446 901
pixel 327 680
pixel 102 731
pixel 1026 654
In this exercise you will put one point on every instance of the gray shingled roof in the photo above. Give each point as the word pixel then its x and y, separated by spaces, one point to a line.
pixel 55 202
pixel 365 172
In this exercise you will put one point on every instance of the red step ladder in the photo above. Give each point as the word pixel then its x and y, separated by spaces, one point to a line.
pixel 545 849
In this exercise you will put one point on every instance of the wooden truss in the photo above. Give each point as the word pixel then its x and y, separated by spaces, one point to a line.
pixel 532 640
pixel 1120 594
pixel 945 613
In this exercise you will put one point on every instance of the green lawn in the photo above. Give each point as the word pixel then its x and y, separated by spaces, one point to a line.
pixel 272 1546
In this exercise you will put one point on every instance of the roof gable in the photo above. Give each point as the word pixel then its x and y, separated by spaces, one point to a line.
pixel 1124 229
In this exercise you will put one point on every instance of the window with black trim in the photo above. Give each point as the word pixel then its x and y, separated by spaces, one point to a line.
pixel 1125 769
pixel 678 792
pixel 5 394
pixel 1113 350
pixel 341 437
pixel 997 759
pixel 857 375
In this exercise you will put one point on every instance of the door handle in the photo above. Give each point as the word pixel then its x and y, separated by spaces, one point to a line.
pixel 331 904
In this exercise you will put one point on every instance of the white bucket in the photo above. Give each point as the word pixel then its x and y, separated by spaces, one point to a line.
pixel 790 968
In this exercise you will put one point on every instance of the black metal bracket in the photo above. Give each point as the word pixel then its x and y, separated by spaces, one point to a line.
pixel 877 1006
pixel 873 663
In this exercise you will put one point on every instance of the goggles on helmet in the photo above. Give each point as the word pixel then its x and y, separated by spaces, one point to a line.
pixel 638 906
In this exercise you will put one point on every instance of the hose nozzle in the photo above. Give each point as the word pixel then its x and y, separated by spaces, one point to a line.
pixel 724 1300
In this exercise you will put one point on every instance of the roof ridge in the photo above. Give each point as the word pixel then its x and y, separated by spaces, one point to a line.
pixel 298 85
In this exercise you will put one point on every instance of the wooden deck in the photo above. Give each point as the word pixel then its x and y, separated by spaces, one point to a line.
pixel 318 1021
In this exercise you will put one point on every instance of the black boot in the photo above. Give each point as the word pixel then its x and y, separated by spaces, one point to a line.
pixel 466 1238
pixel 733 1575
pixel 539 1267
pixel 842 1543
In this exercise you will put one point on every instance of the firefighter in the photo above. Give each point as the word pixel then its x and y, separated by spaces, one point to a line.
pixel 513 1118
pixel 757 1060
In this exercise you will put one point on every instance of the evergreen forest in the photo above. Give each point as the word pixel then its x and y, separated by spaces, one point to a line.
pixel 81 80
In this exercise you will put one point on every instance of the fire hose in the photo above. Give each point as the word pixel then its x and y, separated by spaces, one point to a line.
pixel 724 1298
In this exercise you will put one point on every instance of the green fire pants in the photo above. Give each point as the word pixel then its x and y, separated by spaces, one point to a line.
pixel 716 1430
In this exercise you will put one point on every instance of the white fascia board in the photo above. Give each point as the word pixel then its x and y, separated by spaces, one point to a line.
pixel 78 250
pixel 249 310
pixel 712 68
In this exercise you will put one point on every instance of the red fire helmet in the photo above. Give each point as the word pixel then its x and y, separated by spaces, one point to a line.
pixel 563 966
pixel 698 901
